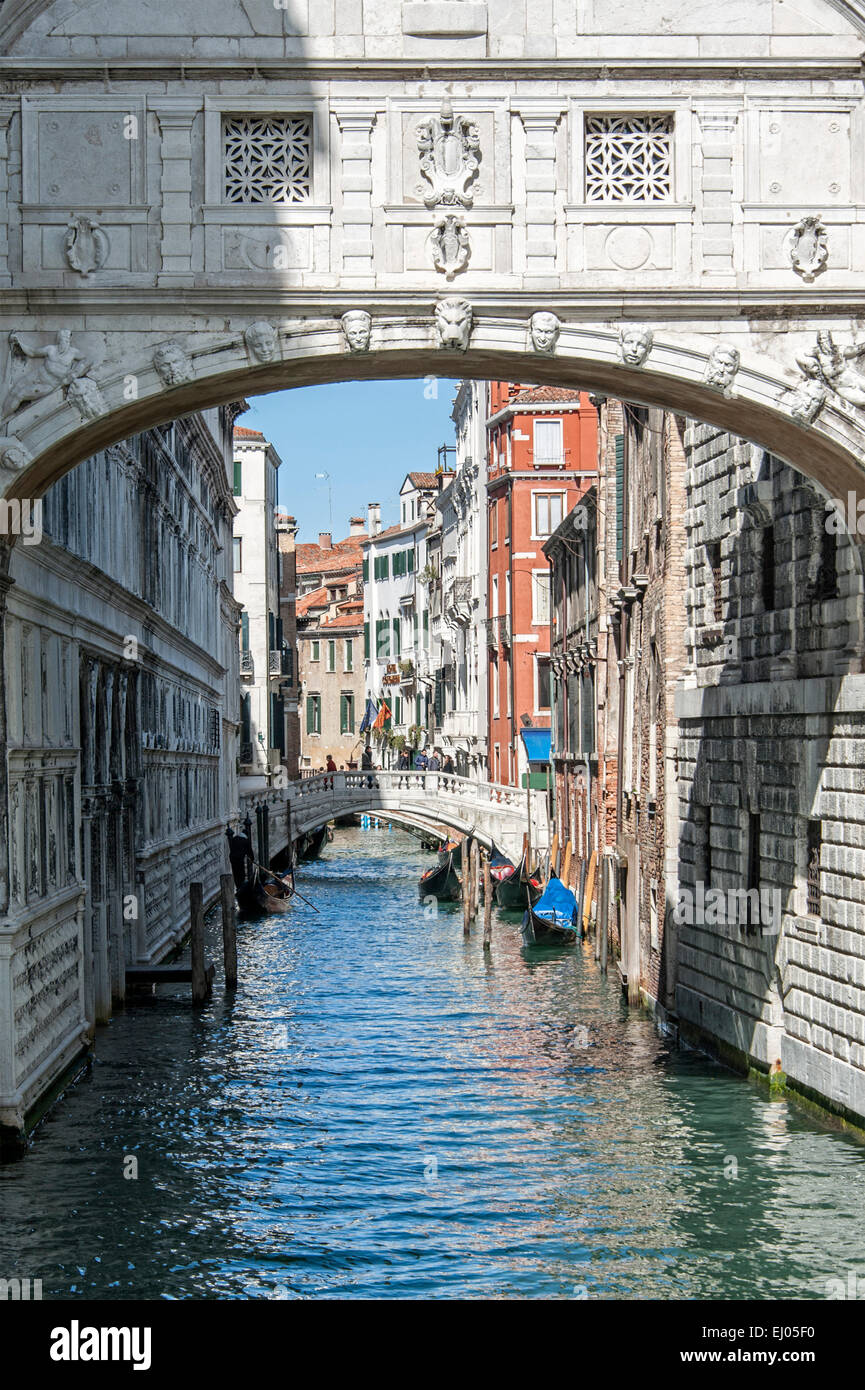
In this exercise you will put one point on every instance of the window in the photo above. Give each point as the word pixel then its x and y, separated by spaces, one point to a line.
pixel 277 723
pixel 382 638
pixel 313 714
pixel 237 554
pixel 543 663
pixel 548 512
pixel 237 488
pixel 767 568
pixel 541 597
pixel 826 583
pixel 346 712
pixel 381 566
pixel 331 655
pixel 426 630
pixel 409 560
pixel 753 871
pixel 815 845
pixel 548 442
pixel 244 631
pixel 397 710
pixel 494 524
pixel 398 563
pixel 268 159
pixel 349 654
pixel 713 554
pixel 366 641
pixel 316 651
pixel 628 159
pixel 494 679
pixel 397 644
pixel 366 570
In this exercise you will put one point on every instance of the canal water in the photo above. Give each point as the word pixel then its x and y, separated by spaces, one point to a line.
pixel 385 1111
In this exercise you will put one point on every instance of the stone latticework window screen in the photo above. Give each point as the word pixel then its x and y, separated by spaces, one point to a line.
pixel 268 159
pixel 629 159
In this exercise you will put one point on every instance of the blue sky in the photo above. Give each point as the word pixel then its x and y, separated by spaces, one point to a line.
pixel 366 434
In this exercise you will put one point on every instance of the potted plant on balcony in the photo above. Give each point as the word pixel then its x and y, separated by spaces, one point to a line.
pixel 414 735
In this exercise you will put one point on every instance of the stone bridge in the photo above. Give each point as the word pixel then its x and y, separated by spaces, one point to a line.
pixel 430 801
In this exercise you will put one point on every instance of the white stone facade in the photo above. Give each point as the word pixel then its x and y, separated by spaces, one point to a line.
pixel 255 566
pixel 121 681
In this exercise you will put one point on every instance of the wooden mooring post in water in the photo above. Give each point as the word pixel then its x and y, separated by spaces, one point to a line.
pixel 229 929
pixel 202 974
pixel 476 877
pixel 466 889
pixel 488 902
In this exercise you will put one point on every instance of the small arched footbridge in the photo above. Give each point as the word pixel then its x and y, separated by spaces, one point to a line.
pixel 431 801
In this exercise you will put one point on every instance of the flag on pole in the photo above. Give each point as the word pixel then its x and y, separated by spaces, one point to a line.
pixel 369 715
pixel 383 715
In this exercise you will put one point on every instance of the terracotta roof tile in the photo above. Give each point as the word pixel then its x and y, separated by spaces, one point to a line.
pixel 540 395
pixel 343 620
pixel 240 430
pixel 423 479
pixel 316 598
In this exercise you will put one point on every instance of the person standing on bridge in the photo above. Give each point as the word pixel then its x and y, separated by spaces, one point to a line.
pixel 448 767
pixel 434 764
pixel 330 766
pixel 420 761
pixel 366 762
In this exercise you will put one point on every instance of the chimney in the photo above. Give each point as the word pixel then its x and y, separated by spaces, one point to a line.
pixel 374 514
pixel 325 540
pixel 356 526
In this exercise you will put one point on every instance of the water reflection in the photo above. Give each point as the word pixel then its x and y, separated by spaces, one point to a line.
pixel 385 1109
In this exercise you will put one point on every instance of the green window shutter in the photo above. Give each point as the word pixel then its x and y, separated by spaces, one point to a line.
pixel 409 556
pixel 417 709
pixel 343 714
pixel 426 629
pixel 366 641
pixel 244 631
pixel 310 714
pixel 414 629
pixel 399 564
pixel 237 488
pixel 396 642
pixel 620 484
pixel 382 638
pixel 366 570
pixel 397 710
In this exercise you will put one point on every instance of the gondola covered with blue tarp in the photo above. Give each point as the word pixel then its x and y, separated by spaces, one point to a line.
pixel 553 919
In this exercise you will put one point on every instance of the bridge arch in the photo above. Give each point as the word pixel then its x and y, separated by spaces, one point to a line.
pixel 47 438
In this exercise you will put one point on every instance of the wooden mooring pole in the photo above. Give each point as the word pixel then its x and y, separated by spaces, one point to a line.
pixel 466 889
pixel 200 981
pixel 476 877
pixel 488 903
pixel 229 929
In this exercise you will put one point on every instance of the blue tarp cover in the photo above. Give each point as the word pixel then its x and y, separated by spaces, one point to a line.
pixel 537 744
pixel 557 902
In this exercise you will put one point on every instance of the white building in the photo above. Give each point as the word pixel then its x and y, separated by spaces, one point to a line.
pixel 457 544
pixel 397 613
pixel 255 564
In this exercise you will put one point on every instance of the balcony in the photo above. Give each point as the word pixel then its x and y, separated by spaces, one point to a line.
pixel 504 622
pixel 246 757
pixel 492 626
pixel 247 665
pixel 281 662
pixel 406 672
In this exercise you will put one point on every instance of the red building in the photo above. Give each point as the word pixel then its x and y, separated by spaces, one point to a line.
pixel 542 443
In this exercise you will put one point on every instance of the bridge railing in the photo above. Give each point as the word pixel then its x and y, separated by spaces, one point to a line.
pixel 421 784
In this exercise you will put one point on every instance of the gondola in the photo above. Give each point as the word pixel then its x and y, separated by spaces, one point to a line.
pixel 501 868
pixel 552 921
pixel 454 849
pixel 269 894
pixel 441 881
pixel 514 890
pixel 312 844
